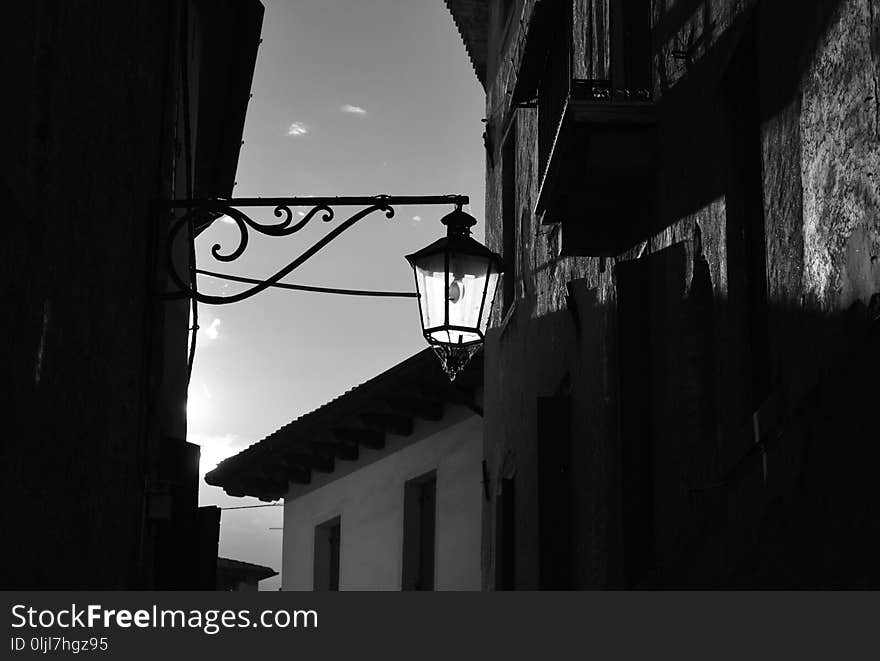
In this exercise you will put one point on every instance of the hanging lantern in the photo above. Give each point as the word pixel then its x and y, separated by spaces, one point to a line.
pixel 456 278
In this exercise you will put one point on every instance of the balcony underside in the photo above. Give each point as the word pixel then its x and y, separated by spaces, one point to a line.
pixel 599 179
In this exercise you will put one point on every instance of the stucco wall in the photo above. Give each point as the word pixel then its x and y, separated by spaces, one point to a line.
pixel 369 501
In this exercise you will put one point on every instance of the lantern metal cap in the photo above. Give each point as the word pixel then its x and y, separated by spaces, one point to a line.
pixel 458 239
pixel 458 222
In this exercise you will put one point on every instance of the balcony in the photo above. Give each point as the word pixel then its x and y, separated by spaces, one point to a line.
pixel 596 138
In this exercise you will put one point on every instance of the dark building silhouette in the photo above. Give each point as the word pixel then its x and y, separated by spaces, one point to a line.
pixel 109 107
pixel 681 381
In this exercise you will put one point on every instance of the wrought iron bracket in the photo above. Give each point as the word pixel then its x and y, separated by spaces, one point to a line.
pixel 196 215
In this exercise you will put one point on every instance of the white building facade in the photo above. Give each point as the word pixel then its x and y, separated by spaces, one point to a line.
pixel 368 498
pixel 383 486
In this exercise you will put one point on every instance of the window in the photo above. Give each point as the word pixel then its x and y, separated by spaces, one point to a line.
pixel 634 292
pixel 631 45
pixel 504 10
pixel 419 523
pixel 553 91
pixel 327 540
pixel 591 74
pixel 505 529
pixel 508 219
pixel 745 211
pixel 554 492
pixel 502 22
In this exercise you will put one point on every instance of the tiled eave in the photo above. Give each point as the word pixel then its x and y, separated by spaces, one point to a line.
pixel 391 403
pixel 471 17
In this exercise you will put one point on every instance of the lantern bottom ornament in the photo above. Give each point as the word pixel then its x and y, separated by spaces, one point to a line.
pixel 454 358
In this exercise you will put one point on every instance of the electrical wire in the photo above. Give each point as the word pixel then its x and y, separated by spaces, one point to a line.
pixel 250 507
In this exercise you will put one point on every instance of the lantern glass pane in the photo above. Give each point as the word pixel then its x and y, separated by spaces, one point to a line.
pixel 451 306
pixel 431 285
pixel 491 285
pixel 467 279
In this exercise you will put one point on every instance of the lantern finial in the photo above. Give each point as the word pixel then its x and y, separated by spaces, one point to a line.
pixel 458 223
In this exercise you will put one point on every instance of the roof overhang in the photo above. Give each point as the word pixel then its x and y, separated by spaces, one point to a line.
pixel 391 403
pixel 471 17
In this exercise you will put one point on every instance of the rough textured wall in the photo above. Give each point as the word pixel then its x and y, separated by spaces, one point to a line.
pixel 816 134
pixel 546 347
pixel 839 162
pixel 86 117
pixel 757 270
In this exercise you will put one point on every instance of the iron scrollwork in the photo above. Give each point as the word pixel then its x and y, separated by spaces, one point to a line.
pixel 200 214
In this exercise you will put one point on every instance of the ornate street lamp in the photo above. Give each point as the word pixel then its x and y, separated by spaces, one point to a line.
pixel 456 278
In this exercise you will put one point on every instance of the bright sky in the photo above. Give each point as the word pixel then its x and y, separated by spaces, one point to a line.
pixel 350 97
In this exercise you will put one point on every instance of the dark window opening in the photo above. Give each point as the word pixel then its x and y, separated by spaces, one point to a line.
pixel 554 492
pixel 746 211
pixel 506 7
pixel 631 45
pixel 553 91
pixel 637 451
pixel 419 532
pixel 508 219
pixel 753 194
pixel 327 541
pixel 505 531
pixel 502 24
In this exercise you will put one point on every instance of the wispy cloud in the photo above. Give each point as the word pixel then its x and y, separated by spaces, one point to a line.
pixel 354 110
pixel 297 128
pixel 418 219
pixel 212 332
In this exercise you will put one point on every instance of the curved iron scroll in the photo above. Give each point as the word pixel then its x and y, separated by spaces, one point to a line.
pixel 198 210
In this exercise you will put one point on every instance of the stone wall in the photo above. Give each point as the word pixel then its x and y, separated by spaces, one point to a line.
pixel 753 284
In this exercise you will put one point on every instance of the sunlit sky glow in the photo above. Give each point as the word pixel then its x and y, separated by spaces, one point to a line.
pixel 350 97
